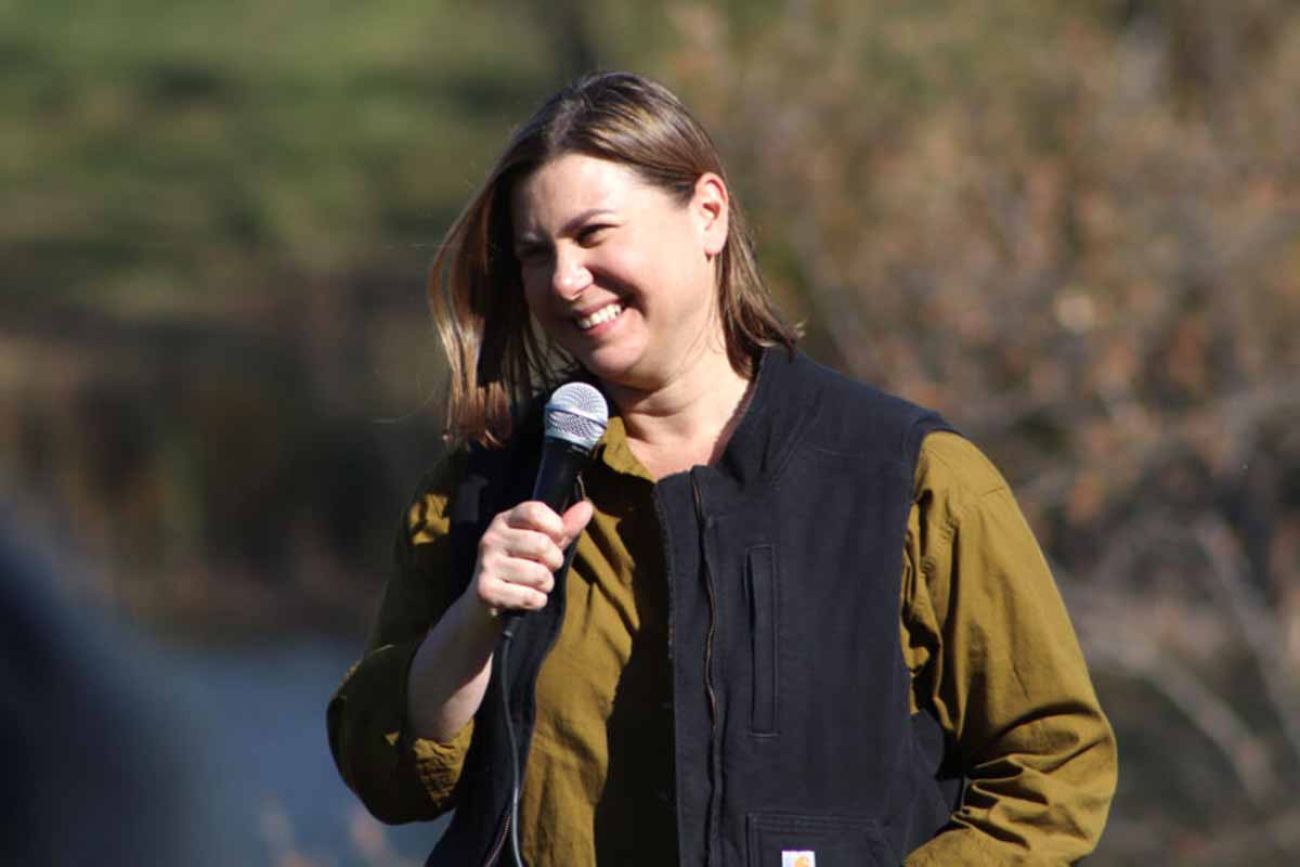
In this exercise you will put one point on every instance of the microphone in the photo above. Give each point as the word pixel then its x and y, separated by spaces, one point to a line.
pixel 576 417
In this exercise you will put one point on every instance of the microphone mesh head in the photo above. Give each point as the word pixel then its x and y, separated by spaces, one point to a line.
pixel 577 413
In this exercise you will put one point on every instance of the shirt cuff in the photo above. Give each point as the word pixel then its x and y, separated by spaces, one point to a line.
pixel 438 764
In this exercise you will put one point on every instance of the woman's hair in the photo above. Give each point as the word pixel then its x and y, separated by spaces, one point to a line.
pixel 498 363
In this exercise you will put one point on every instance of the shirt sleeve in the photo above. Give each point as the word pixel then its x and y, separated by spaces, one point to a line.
pixel 399 777
pixel 993 656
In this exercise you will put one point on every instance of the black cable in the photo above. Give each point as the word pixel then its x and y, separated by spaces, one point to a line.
pixel 512 621
pixel 503 652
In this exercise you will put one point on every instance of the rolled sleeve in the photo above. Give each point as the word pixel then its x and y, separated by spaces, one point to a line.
pixel 401 778
pixel 439 764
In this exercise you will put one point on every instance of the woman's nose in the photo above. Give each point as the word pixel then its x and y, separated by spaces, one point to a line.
pixel 571 276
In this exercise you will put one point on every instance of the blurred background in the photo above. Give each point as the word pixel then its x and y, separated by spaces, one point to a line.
pixel 1073 227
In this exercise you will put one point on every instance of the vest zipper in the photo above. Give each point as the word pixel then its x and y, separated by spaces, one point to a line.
pixel 715 778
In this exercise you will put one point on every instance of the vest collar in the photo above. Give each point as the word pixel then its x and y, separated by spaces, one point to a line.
pixel 782 403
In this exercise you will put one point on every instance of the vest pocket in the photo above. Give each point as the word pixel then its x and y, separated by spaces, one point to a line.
pixel 783 839
pixel 762 587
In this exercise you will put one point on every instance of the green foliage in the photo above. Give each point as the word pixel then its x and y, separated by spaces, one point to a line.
pixel 175 138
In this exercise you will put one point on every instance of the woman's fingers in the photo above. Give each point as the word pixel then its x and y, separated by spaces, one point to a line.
pixel 517 570
pixel 517 583
pixel 532 545
pixel 520 552
pixel 534 515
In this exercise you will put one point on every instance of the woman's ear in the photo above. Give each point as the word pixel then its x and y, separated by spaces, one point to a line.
pixel 710 205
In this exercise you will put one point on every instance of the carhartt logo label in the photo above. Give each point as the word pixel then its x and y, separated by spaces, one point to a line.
pixel 798 859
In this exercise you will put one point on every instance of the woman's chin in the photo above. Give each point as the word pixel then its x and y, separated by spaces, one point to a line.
pixel 612 367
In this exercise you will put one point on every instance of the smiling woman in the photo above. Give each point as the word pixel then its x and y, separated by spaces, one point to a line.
pixel 591 238
pixel 614 158
pixel 793 620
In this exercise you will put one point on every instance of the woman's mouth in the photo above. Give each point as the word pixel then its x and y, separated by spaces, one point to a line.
pixel 604 314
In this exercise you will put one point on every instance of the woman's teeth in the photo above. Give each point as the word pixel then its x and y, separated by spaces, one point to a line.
pixel 604 314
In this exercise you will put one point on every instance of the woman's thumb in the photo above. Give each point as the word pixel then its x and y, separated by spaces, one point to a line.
pixel 575 518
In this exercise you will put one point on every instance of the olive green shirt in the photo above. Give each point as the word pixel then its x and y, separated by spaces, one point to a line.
pixel 982 628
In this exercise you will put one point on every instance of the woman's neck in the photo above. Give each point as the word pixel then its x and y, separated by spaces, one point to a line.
pixel 685 422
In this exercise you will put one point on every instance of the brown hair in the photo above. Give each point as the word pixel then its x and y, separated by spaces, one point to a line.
pixel 497 361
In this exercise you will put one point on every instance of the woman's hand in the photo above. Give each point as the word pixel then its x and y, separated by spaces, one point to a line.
pixel 516 556
pixel 520 552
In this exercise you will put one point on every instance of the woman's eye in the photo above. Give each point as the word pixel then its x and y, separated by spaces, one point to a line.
pixel 530 255
pixel 591 234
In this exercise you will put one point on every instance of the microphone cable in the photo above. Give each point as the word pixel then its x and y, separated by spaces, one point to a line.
pixel 499 662
pixel 575 418
pixel 503 651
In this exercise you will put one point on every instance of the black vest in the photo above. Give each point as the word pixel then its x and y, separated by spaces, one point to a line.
pixel 790 696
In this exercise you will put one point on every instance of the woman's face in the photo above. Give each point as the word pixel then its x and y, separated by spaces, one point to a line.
pixel 617 271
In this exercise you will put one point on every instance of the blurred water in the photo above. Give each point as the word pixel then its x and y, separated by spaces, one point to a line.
pixel 265 782
pixel 121 749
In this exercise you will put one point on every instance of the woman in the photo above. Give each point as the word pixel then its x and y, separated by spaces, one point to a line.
pixel 804 623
